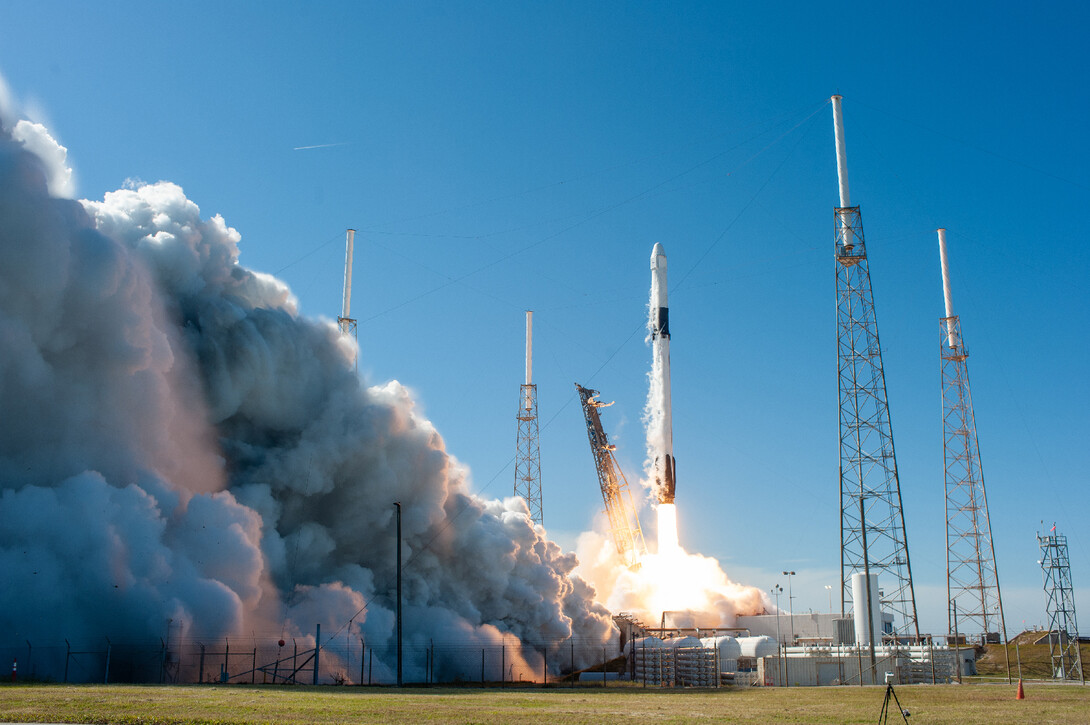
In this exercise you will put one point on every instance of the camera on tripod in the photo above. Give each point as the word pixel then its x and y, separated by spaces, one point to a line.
pixel 883 716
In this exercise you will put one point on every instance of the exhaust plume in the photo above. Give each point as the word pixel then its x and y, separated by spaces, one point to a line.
pixel 181 444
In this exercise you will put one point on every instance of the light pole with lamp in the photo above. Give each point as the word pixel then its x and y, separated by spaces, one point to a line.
pixel 776 591
pixel 790 603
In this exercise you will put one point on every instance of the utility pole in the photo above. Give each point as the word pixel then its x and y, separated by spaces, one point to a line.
pixel 398 505
pixel 780 651
pixel 790 603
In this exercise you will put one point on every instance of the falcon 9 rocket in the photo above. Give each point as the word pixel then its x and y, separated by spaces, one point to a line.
pixel 664 466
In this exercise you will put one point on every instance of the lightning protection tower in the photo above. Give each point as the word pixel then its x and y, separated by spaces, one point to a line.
pixel 1063 628
pixel 624 525
pixel 347 324
pixel 972 579
pixel 872 525
pixel 527 453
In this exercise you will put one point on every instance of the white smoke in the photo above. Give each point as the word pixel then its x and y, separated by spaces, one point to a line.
pixel 179 443
pixel 35 138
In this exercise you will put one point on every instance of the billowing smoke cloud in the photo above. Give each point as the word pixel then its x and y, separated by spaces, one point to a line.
pixel 179 443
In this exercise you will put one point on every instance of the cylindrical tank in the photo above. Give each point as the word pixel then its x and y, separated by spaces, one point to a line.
pixel 641 643
pixel 728 646
pixel 762 646
pixel 653 660
pixel 682 642
pixel 859 608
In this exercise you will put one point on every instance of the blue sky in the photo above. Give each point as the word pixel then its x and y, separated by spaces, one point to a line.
pixel 497 157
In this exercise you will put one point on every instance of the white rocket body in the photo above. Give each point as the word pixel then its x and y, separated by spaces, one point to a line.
pixel 660 352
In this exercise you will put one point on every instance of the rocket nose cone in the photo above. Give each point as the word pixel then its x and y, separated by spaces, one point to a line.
pixel 658 251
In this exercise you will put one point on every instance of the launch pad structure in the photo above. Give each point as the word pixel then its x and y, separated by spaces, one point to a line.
pixel 527 449
pixel 624 525
pixel 872 528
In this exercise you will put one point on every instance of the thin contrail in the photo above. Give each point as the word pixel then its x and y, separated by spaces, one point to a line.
pixel 320 146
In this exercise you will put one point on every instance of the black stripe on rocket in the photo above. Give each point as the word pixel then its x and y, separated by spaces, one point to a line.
pixel 662 323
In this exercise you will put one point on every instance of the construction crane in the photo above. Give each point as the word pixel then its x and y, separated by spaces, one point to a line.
pixel 624 525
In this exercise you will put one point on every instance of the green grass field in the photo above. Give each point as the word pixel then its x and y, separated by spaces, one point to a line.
pixel 954 704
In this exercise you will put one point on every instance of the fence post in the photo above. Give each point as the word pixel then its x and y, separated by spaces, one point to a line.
pixel 294 656
pixel 200 668
pixel 253 666
pixel 109 647
pixel 67 655
pixel 224 675
pixel 545 665
pixel 503 665
pixel 317 649
pixel 482 666
pixel 363 656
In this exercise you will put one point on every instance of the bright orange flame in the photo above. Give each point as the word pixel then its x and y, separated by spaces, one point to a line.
pixel 671 580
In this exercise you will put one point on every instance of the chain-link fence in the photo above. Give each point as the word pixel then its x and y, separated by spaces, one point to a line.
pixel 344 659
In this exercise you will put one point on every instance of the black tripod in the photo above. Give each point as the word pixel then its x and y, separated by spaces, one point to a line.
pixel 883 717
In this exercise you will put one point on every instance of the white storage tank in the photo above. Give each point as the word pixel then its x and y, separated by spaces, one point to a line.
pixel 859 608
pixel 694 665
pixel 729 651
pixel 728 646
pixel 653 661
pixel 676 643
pixel 762 646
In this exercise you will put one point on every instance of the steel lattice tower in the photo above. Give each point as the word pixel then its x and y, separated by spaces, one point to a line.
pixel 872 526
pixel 972 579
pixel 1063 627
pixel 527 453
